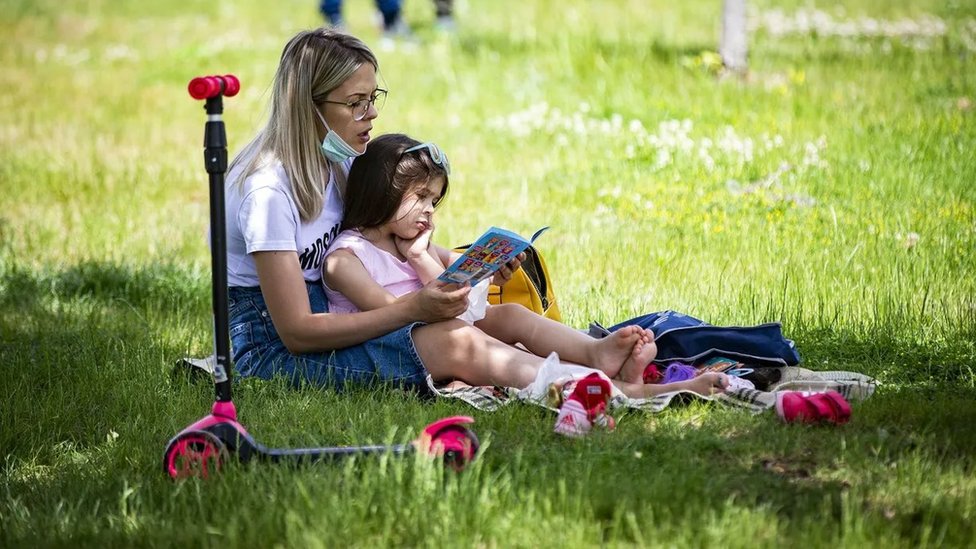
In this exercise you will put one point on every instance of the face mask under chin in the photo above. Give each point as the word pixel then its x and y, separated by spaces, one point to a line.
pixel 334 147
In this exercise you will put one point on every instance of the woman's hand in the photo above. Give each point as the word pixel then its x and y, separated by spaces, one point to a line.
pixel 504 274
pixel 416 247
pixel 440 300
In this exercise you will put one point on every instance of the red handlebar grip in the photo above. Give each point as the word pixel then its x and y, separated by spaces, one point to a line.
pixel 205 87
pixel 231 85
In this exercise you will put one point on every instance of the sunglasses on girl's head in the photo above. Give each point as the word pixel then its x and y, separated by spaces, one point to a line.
pixel 435 153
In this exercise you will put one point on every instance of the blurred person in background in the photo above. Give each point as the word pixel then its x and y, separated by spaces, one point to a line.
pixel 393 24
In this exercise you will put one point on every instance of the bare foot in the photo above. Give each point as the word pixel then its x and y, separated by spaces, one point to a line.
pixel 707 384
pixel 610 353
pixel 641 355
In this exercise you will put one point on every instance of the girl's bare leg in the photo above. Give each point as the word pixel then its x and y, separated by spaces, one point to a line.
pixel 705 384
pixel 457 350
pixel 627 349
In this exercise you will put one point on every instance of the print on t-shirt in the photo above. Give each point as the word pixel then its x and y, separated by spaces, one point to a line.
pixel 312 256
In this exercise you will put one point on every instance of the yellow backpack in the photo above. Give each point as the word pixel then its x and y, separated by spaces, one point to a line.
pixel 530 286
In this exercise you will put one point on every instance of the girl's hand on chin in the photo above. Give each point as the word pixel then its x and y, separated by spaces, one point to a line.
pixel 440 300
pixel 416 246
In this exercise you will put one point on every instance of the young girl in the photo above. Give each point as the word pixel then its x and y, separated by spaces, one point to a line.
pixel 384 253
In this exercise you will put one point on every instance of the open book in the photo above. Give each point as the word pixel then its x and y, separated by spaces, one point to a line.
pixel 489 253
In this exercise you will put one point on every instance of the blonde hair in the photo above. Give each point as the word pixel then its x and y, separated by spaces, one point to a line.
pixel 313 63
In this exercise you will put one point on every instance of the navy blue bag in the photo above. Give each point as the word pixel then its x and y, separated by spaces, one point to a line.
pixel 687 339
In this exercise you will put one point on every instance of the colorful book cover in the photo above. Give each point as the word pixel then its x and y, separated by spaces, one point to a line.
pixel 489 253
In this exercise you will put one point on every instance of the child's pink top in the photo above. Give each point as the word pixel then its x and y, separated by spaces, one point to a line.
pixel 396 276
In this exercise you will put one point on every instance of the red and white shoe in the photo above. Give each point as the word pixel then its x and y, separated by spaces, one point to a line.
pixel 572 420
pixel 585 407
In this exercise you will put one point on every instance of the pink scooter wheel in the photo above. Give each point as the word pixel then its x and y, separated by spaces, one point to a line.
pixel 456 445
pixel 194 454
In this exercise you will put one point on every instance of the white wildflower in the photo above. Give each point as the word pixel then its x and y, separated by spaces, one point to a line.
pixel 616 121
pixel 911 240
pixel 663 158
pixel 120 51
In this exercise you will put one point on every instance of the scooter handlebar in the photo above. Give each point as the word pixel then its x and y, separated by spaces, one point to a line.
pixel 205 87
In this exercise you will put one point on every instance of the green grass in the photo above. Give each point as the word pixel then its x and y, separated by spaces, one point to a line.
pixel 831 190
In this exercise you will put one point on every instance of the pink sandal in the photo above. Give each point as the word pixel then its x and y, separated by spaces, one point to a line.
pixel 840 409
pixel 799 407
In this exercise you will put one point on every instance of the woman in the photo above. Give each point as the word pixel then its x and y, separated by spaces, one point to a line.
pixel 284 206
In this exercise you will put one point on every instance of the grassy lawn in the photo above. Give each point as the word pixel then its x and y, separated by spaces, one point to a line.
pixel 831 190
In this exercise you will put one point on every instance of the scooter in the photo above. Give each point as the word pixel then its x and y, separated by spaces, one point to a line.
pixel 205 446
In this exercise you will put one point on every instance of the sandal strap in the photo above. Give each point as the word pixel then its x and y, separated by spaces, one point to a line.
pixel 839 409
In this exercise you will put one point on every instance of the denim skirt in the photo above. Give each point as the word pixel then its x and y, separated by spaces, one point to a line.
pixel 258 351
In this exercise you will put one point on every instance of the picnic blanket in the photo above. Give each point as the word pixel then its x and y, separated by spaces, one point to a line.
pixel 681 338
pixel 853 386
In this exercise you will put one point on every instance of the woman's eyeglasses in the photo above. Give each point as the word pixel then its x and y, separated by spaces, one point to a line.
pixel 361 107
pixel 435 153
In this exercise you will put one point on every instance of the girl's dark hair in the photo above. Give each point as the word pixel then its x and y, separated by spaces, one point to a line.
pixel 381 176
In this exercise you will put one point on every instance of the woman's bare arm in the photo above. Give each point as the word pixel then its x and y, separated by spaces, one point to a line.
pixel 302 331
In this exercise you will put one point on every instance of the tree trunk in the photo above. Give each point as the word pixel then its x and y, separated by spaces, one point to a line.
pixel 734 47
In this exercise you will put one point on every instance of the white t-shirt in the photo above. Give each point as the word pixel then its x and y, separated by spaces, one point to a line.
pixel 262 216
